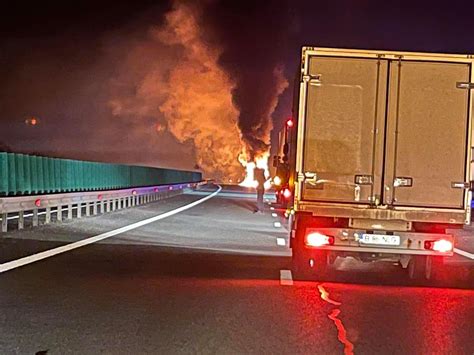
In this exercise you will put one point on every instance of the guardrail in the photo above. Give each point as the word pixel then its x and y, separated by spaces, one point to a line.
pixel 83 203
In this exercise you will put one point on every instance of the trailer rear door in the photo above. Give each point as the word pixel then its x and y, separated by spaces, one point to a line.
pixel 345 108
pixel 426 134
pixel 385 131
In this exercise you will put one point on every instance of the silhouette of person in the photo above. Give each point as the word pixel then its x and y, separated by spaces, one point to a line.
pixel 259 176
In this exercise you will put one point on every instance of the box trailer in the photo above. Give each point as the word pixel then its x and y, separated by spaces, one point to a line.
pixel 380 165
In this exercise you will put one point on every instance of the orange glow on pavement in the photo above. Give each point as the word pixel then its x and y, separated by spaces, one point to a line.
pixel 325 296
pixel 341 332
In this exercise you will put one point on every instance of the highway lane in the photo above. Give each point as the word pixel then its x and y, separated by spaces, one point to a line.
pixel 208 280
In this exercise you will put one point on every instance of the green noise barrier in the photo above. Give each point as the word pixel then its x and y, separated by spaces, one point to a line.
pixel 22 174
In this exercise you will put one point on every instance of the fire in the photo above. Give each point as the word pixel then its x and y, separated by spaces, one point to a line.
pixel 260 162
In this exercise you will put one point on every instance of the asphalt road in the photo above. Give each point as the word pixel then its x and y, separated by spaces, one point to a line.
pixel 214 279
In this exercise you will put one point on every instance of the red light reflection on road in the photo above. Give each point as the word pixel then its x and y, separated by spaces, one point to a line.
pixel 341 330
pixel 325 296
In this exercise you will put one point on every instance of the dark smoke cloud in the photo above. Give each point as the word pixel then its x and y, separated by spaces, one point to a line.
pixel 254 37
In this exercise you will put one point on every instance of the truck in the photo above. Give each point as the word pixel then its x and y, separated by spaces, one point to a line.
pixel 280 180
pixel 380 160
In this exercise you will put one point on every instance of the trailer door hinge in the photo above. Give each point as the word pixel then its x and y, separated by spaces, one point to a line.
pixel 462 185
pixel 314 80
pixel 467 86
pixel 403 181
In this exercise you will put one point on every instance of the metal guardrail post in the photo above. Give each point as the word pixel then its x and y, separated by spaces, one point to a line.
pixel 48 215
pixel 59 215
pixel 94 208
pixel 21 220
pixel 102 206
pixel 35 217
pixel 107 206
pixel 69 211
pixel 88 209
pixel 79 210
pixel 4 222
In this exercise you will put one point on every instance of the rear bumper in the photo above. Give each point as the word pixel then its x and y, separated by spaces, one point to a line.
pixel 411 243
pixel 398 251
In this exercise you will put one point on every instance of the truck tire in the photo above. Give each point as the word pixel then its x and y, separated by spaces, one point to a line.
pixel 420 267
pixel 309 266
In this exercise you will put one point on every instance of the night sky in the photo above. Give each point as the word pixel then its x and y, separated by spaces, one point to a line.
pixel 61 64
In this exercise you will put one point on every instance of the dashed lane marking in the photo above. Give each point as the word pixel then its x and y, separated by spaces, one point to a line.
pixel 68 247
pixel 281 242
pixel 286 279
pixel 276 224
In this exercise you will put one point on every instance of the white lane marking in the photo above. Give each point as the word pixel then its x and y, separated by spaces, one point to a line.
pixel 274 214
pixel 464 253
pixel 276 224
pixel 286 279
pixel 68 247
pixel 281 242
pixel 272 208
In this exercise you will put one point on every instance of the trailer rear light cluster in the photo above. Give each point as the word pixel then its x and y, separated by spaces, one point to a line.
pixel 441 245
pixel 316 239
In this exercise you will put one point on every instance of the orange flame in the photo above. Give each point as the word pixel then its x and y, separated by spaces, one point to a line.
pixel 260 162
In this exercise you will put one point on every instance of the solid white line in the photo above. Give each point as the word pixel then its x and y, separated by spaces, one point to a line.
pixel 286 279
pixel 281 242
pixel 68 247
pixel 464 253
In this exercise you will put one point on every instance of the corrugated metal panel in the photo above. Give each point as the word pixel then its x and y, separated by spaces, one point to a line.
pixel 28 174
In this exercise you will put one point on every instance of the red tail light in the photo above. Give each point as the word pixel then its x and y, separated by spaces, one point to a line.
pixel 442 245
pixel 316 239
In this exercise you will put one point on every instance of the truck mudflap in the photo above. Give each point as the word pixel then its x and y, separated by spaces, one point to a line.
pixel 386 242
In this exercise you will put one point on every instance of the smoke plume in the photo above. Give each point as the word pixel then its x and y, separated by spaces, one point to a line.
pixel 253 59
pixel 191 92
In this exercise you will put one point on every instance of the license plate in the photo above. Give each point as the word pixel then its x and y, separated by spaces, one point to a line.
pixel 379 239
